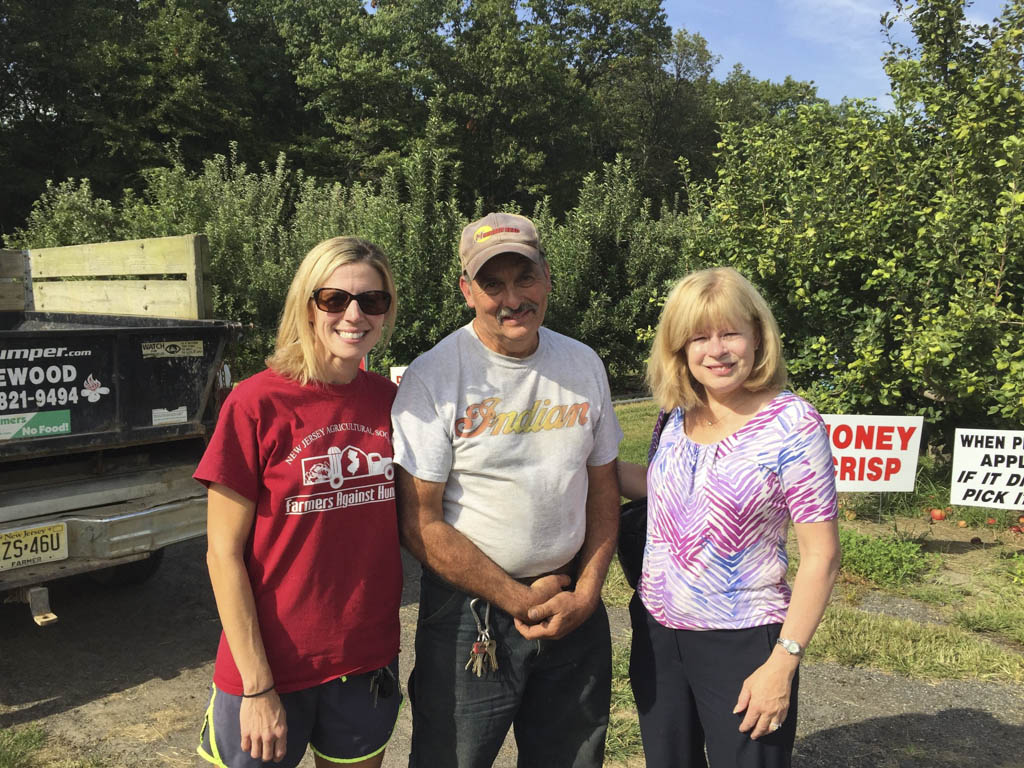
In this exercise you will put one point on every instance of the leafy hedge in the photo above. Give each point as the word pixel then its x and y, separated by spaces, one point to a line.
pixel 610 259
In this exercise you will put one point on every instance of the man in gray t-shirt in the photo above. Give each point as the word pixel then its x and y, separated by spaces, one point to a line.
pixel 506 440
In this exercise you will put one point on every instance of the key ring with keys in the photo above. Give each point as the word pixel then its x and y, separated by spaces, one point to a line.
pixel 483 655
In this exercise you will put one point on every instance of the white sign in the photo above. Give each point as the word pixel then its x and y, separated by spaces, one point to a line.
pixel 988 468
pixel 164 416
pixel 397 372
pixel 874 453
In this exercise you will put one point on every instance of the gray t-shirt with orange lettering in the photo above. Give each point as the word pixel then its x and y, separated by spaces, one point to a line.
pixel 511 439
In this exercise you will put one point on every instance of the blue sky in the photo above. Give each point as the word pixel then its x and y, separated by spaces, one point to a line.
pixel 835 43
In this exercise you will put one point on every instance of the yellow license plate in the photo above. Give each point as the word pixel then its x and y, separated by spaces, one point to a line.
pixel 32 546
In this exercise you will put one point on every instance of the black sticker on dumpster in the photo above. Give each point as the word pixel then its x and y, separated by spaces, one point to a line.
pixel 172 348
pixel 49 391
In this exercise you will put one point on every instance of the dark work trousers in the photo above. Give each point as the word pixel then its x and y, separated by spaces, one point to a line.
pixel 554 693
pixel 686 683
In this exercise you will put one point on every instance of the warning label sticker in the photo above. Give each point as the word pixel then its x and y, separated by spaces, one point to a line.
pixel 172 348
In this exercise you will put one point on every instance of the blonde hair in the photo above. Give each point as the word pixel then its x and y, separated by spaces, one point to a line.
pixel 295 353
pixel 701 300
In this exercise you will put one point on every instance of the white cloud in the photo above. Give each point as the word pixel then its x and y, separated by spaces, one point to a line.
pixel 849 24
pixel 849 33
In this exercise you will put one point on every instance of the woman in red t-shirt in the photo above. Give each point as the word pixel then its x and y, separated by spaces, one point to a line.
pixel 302 529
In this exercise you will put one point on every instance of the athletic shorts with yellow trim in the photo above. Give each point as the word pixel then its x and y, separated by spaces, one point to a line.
pixel 339 720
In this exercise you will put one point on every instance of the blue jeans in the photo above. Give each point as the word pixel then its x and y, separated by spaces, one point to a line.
pixel 555 693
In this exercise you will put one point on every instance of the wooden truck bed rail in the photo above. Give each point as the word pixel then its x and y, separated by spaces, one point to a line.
pixel 163 277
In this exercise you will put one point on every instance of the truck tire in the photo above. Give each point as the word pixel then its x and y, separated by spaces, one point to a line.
pixel 128 574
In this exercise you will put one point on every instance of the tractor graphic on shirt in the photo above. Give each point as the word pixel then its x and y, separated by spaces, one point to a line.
pixel 342 465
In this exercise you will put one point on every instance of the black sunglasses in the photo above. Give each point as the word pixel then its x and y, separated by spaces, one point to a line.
pixel 337 300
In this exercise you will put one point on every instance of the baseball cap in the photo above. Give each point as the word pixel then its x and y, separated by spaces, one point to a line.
pixel 497 233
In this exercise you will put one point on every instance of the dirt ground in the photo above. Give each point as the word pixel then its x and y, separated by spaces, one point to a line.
pixel 123 678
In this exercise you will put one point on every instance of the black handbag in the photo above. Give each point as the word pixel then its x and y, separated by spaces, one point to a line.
pixel 632 539
pixel 633 521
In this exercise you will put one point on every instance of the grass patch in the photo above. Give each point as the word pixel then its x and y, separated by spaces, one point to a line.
pixel 936 594
pixel 27 747
pixel 18 745
pixel 637 422
pixel 885 560
pixel 927 651
pixel 1003 618
pixel 616 592
pixel 623 739
pixel 1015 568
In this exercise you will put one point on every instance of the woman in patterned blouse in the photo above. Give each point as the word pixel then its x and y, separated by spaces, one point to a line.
pixel 717 631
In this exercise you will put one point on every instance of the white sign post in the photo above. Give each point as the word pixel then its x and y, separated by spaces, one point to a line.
pixel 988 468
pixel 397 372
pixel 874 453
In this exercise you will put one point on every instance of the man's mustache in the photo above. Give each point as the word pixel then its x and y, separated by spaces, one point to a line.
pixel 505 312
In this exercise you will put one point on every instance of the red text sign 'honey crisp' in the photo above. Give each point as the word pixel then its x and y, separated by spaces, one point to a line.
pixel 874 453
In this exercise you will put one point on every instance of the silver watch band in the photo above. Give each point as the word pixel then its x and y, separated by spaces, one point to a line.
pixel 792 647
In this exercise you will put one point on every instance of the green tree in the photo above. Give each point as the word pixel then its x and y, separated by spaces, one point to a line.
pixel 363 73
pixel 610 260
pixel 52 76
pixel 104 89
pixel 742 98
pixel 659 109
pixel 180 85
pixel 276 111
pixel 890 243
pixel 506 87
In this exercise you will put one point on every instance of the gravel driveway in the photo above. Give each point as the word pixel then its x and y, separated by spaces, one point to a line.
pixel 124 677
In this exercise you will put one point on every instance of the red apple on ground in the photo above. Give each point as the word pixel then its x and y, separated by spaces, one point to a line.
pixel 938 514
pixel 991 521
pixel 961 523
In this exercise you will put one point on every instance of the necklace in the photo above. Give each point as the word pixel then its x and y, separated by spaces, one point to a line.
pixel 706 421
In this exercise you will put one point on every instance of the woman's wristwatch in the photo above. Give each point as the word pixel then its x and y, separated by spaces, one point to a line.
pixel 792 647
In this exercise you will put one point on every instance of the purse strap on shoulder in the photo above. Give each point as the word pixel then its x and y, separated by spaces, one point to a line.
pixel 659 425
